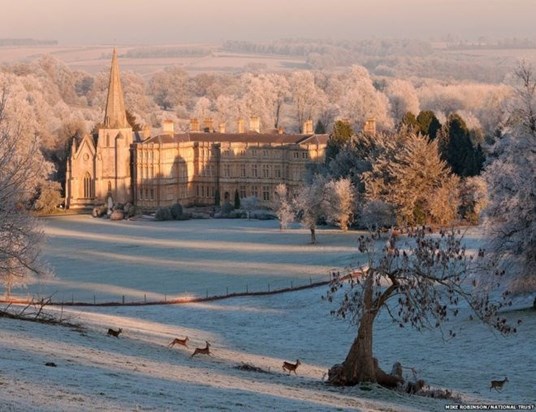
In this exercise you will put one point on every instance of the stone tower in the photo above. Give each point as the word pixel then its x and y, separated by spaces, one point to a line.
pixel 112 164
pixel 98 169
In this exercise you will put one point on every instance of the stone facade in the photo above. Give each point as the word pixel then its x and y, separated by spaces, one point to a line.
pixel 190 168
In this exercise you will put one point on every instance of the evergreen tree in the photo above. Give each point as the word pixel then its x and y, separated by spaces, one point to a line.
pixel 320 128
pixel 339 137
pixel 429 125
pixel 236 200
pixel 409 120
pixel 457 148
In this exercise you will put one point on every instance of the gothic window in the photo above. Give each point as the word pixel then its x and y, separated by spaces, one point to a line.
pixel 88 187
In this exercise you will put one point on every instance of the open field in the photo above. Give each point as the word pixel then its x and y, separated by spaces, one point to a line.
pixel 104 259
pixel 138 372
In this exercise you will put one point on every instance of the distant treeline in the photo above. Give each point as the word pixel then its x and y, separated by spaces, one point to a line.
pixel 156 52
pixel 513 43
pixel 26 42
pixel 305 47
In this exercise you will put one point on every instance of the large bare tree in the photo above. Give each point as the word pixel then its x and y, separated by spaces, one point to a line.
pixel 422 283
pixel 22 170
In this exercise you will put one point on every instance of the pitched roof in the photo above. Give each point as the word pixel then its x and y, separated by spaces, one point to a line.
pixel 115 116
pixel 260 138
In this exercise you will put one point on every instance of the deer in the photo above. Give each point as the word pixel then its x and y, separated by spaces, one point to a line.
pixel 183 342
pixel 498 384
pixel 203 351
pixel 291 367
pixel 115 333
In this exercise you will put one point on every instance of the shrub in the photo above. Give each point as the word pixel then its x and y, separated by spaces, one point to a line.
pixel 176 211
pixel 163 213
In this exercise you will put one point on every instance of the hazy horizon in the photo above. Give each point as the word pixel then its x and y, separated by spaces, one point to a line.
pixel 176 21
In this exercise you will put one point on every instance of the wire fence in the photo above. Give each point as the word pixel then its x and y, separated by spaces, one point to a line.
pixel 253 288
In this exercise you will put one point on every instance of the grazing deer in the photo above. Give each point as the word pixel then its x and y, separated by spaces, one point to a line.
pixel 115 333
pixel 291 367
pixel 203 351
pixel 498 384
pixel 183 342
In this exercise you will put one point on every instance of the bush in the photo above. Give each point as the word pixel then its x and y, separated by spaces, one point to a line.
pixel 176 211
pixel 163 213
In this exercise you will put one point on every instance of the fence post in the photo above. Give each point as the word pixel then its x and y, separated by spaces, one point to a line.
pixel 247 288
pixel 227 290
pixel 94 300
pixel 145 298
pixel 268 287
pixel 123 299
pixel 207 293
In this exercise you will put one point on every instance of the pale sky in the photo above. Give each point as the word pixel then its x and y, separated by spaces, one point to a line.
pixel 176 21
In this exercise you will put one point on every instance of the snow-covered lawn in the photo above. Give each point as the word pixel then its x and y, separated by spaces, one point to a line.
pixel 137 371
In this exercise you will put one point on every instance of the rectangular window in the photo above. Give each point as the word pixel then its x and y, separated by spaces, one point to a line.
pixel 254 191
pixel 254 172
pixel 277 171
pixel 265 171
pixel 243 170
pixel 227 170
pixel 265 193
pixel 242 191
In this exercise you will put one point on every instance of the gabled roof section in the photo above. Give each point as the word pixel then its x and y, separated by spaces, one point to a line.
pixel 115 116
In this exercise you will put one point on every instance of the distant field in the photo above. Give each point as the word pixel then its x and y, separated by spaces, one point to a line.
pixel 97 58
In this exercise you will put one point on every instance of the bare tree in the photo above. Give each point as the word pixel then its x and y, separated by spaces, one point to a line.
pixel 283 206
pixel 340 202
pixel 309 204
pixel 22 169
pixel 510 217
pixel 421 283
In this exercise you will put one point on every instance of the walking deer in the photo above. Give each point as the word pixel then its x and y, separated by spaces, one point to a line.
pixel 177 341
pixel 291 367
pixel 115 333
pixel 498 384
pixel 203 351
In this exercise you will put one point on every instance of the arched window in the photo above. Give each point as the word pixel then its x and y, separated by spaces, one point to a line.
pixel 89 191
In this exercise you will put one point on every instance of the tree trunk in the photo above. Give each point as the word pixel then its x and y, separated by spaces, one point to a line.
pixel 313 235
pixel 359 365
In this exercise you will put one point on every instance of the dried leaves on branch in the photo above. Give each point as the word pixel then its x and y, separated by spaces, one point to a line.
pixel 422 281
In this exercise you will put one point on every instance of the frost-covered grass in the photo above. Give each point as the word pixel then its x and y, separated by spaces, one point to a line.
pixel 138 372
pixel 159 260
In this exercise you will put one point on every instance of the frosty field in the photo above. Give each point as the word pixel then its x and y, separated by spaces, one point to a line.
pixel 138 371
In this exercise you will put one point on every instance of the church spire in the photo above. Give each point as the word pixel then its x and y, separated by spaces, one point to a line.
pixel 115 116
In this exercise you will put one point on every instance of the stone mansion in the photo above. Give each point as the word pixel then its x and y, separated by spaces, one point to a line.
pixel 191 168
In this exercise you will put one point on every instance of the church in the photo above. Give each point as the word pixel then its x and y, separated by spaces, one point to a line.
pixel 198 167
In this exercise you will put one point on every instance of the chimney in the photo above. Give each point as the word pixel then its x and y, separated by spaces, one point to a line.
pixel 146 132
pixel 240 126
pixel 168 128
pixel 207 125
pixel 370 126
pixel 255 124
pixel 221 128
pixel 194 125
pixel 308 127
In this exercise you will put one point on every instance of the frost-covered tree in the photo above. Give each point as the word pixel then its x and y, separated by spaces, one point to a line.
pixel 283 206
pixel 376 214
pixel 309 204
pixel 168 87
pixel 306 96
pixel 22 170
pixel 419 282
pixel 402 98
pixel 511 178
pixel 340 202
pixel 409 174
